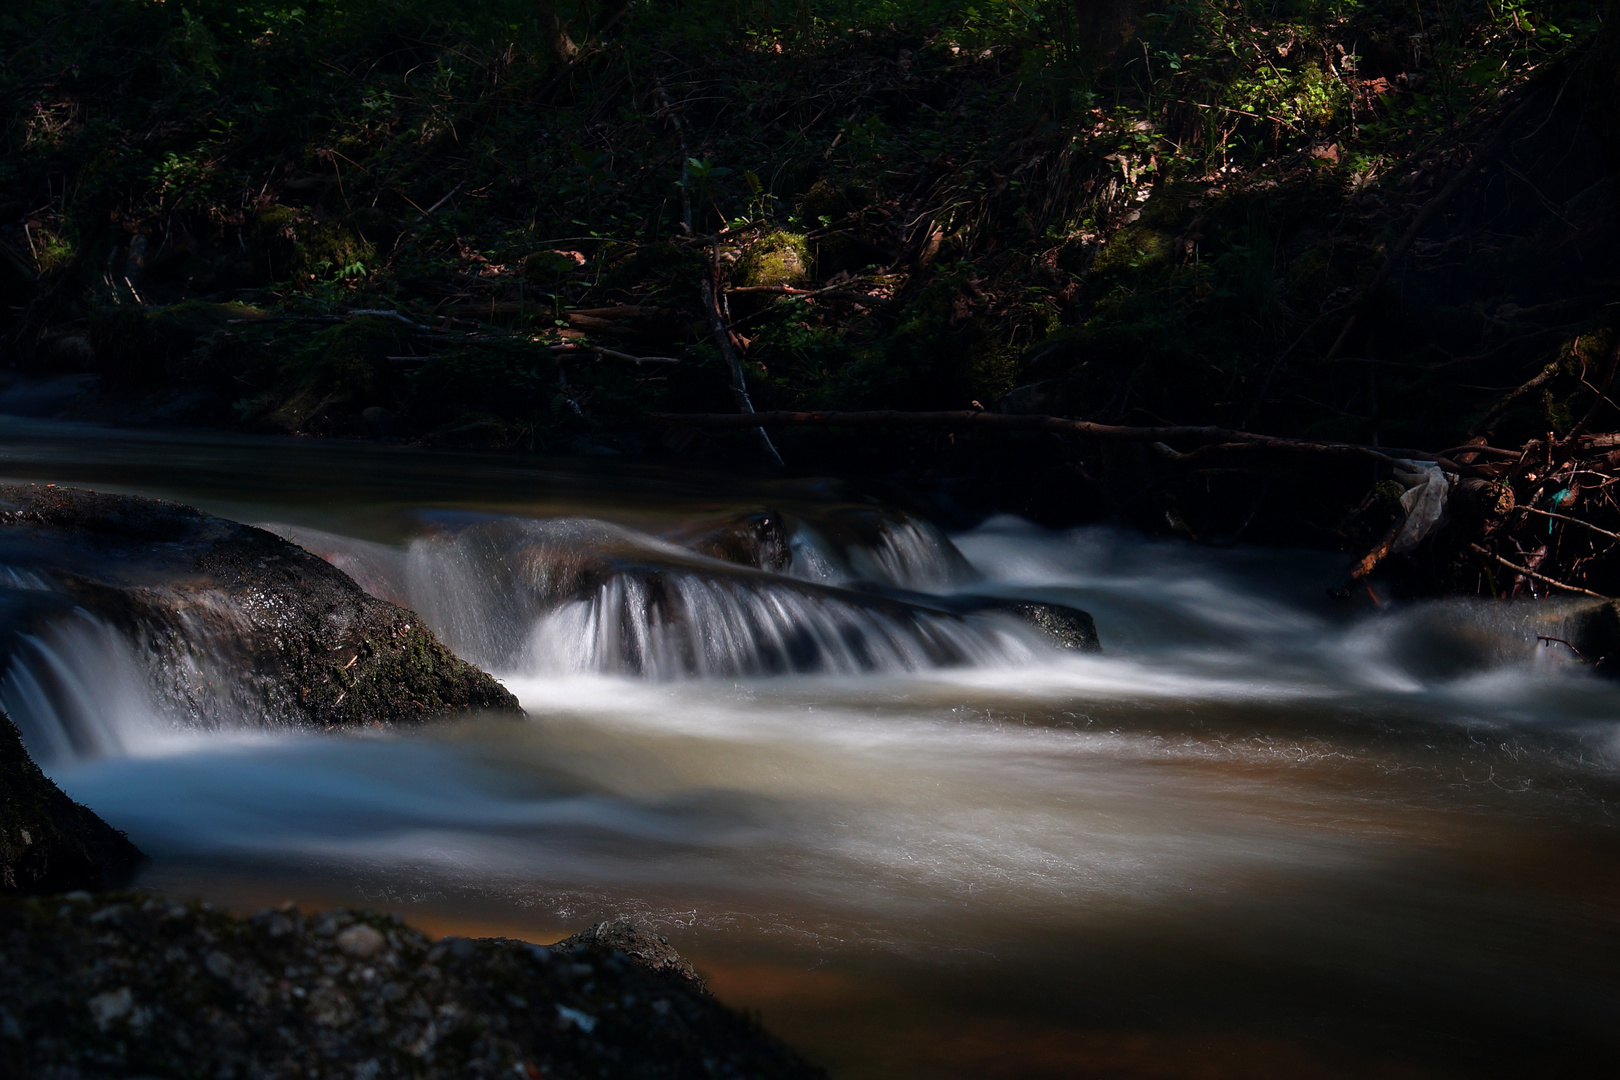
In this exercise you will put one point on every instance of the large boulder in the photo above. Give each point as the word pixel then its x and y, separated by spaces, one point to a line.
pixel 235 623
pixel 48 842
pixel 136 985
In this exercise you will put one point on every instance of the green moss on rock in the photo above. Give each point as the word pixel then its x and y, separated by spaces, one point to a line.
pixel 293 245
pixel 778 258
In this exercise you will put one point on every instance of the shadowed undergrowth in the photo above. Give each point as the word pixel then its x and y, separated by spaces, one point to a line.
pixel 1376 222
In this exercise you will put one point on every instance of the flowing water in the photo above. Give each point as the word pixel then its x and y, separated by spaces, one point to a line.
pixel 1259 835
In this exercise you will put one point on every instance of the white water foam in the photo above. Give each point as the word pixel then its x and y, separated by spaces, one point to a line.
pixel 580 595
pixel 77 690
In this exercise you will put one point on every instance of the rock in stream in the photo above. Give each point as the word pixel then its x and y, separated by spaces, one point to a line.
pixel 48 842
pixel 236 623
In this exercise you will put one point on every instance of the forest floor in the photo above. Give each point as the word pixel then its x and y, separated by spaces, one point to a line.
pixel 1263 263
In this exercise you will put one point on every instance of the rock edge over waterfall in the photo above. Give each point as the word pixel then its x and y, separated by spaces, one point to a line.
pixel 48 842
pixel 219 604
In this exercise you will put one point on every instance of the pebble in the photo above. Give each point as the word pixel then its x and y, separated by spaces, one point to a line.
pixel 361 941
pixel 113 1005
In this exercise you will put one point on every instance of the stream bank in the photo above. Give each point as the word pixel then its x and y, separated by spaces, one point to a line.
pixel 129 983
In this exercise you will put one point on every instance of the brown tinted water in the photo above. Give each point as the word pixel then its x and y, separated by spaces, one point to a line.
pixel 1257 836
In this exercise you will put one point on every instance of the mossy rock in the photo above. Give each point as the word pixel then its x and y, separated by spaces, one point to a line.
pixel 292 245
pixel 1135 247
pixel 138 985
pixel 778 258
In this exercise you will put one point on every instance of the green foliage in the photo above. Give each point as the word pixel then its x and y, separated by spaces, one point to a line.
pixel 1159 196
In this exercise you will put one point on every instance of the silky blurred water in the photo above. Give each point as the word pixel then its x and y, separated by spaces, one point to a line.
pixel 1260 834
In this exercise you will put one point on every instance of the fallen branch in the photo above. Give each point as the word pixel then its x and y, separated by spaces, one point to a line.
pixel 614 355
pixel 1228 438
pixel 1377 555
pixel 1508 402
pixel 832 293
pixel 1527 572
pixel 387 313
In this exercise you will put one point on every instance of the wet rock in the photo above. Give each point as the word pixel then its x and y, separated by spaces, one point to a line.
pixel 1065 627
pixel 650 951
pixel 48 842
pixel 185 991
pixel 1593 631
pixel 361 941
pixel 878 545
pixel 756 540
pixel 236 621
pixel 611 599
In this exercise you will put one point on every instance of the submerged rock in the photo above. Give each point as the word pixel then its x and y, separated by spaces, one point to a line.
pixel 48 842
pixel 1593 632
pixel 758 540
pixel 134 985
pixel 236 621
pixel 1064 627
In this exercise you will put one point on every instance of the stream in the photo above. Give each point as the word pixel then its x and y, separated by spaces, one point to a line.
pixel 1260 834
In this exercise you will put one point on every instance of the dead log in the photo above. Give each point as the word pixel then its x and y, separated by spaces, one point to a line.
pixel 1226 438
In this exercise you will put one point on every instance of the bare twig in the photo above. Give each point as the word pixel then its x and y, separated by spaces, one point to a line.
pixel 447 197
pixel 711 306
pixel 1380 551
pixel 831 293
pixel 1527 572
pixel 614 355
pixel 1566 517
pixel 1547 639
pixel 1602 396
pixel 1508 402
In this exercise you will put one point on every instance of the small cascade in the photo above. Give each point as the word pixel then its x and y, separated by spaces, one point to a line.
pixel 689 625
pixel 863 544
pixel 581 595
pixel 77 689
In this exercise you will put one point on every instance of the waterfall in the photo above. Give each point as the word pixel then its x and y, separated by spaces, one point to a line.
pixel 77 689
pixel 690 625
pixel 579 595
pixel 868 545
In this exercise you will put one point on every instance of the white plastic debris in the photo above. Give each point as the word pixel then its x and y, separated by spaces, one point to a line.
pixel 1424 500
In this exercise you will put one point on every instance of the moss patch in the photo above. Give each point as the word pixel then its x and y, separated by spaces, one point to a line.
pixel 778 258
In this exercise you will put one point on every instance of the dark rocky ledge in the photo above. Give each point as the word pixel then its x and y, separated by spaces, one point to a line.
pixel 126 985
pixel 48 842
pixel 227 609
